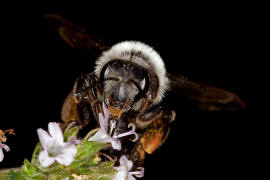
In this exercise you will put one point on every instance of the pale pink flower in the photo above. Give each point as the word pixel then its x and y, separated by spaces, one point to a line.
pixel 102 134
pixel 132 131
pixel 54 147
pixel 123 171
pixel 3 146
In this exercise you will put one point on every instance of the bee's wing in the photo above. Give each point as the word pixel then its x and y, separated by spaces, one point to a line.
pixel 76 36
pixel 207 97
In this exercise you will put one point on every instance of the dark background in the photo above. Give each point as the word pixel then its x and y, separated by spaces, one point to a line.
pixel 211 43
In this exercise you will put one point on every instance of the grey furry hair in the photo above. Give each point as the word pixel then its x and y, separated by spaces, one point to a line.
pixel 140 54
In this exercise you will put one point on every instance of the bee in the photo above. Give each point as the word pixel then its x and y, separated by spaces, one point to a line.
pixel 130 78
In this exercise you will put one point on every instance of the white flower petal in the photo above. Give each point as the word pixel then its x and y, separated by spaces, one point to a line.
pixel 5 147
pixel 122 173
pixel 1 155
pixel 123 161
pixel 55 131
pixel 54 147
pixel 129 165
pixel 123 169
pixel 44 159
pixel 65 159
pixel 116 144
pixel 103 137
pixel 71 150
pixel 44 138
pixel 100 136
pixel 102 122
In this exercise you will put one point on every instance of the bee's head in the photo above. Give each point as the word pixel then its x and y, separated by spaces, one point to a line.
pixel 131 72
pixel 124 84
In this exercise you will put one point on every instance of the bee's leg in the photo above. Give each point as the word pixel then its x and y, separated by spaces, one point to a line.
pixel 137 156
pixel 146 105
pixel 70 110
pixel 95 94
pixel 75 107
pixel 152 135
pixel 84 95
pixel 147 116
pixel 155 134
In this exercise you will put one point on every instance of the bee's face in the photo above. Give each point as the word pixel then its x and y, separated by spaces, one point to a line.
pixel 131 73
pixel 124 83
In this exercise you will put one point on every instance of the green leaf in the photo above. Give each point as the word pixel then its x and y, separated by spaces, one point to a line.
pixel 89 149
pixel 14 175
pixel 29 171
pixel 59 173
pixel 71 132
pixel 28 168
pixel 86 157
pixel 104 171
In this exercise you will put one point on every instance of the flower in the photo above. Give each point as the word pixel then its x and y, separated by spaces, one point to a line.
pixel 132 131
pixel 3 146
pixel 54 147
pixel 102 134
pixel 124 172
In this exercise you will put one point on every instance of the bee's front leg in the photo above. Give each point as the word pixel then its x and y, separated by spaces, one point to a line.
pixel 84 97
pixel 75 110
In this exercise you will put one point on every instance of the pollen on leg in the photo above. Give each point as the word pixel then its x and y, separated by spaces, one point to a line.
pixel 142 153
pixel 151 141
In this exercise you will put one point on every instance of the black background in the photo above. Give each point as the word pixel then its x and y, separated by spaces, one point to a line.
pixel 211 43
